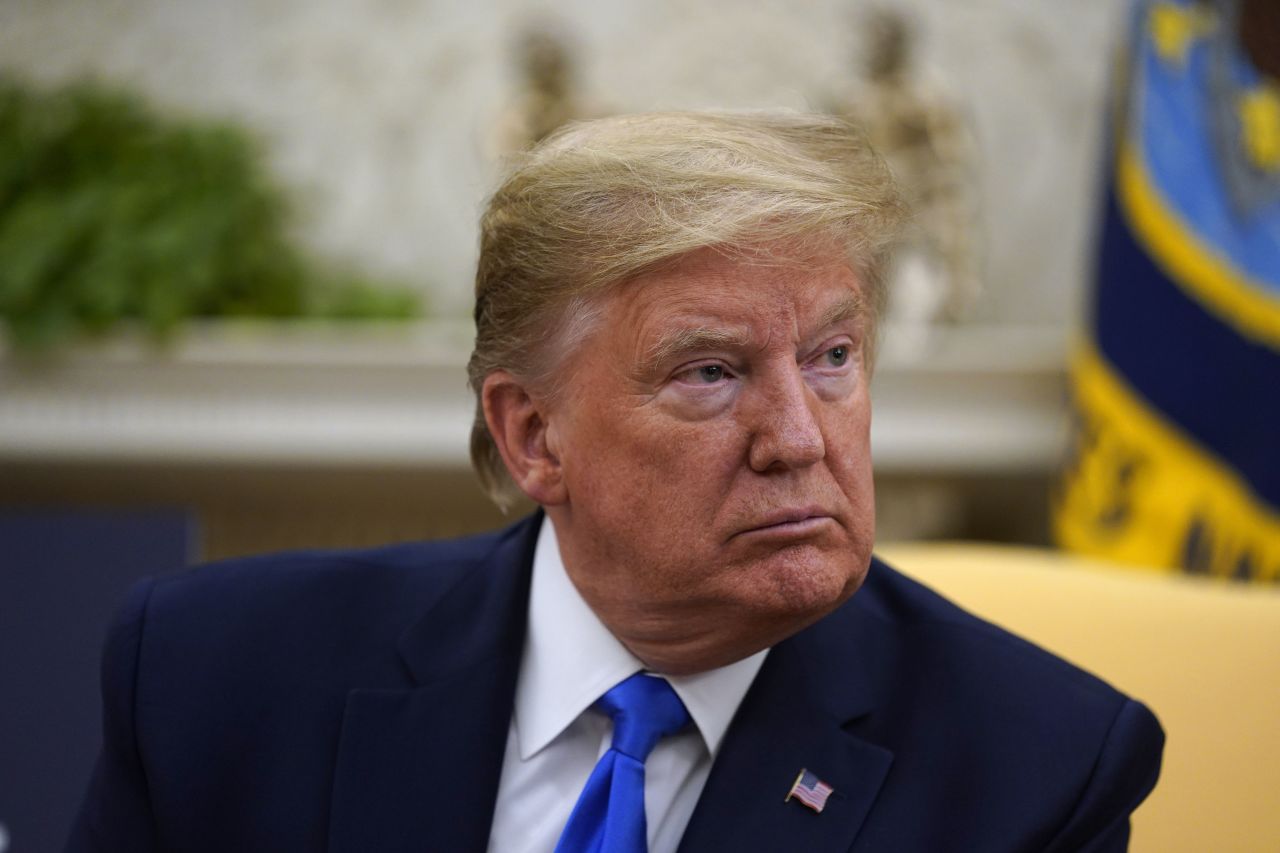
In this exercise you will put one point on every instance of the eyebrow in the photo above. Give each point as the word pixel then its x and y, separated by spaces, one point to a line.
pixel 848 308
pixel 684 341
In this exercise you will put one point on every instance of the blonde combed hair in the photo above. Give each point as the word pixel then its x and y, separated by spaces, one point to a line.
pixel 601 202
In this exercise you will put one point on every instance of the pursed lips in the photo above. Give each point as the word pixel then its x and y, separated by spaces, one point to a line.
pixel 798 521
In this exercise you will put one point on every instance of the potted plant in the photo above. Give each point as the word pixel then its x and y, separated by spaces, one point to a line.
pixel 112 214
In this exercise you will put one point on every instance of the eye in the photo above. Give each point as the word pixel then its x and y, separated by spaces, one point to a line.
pixel 704 374
pixel 837 356
pixel 708 374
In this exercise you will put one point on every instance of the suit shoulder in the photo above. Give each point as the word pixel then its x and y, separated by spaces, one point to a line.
pixel 310 593
pixel 320 621
pixel 388 568
pixel 933 624
pixel 962 700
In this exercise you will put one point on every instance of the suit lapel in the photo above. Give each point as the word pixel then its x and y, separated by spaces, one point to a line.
pixel 797 715
pixel 418 768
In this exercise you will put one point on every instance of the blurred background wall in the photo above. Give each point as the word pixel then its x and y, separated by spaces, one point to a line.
pixel 385 122
pixel 383 113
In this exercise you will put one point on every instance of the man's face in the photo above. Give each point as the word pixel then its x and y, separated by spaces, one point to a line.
pixel 713 437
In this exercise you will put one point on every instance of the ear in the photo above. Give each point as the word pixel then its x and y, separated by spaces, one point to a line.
pixel 517 421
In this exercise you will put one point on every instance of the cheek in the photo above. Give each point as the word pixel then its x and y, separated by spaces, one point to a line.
pixel 849 446
pixel 849 453
pixel 655 480
pixel 684 470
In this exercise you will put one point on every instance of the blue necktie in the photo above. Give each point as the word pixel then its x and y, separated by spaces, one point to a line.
pixel 609 815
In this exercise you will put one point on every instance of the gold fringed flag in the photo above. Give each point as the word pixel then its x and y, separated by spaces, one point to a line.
pixel 1176 383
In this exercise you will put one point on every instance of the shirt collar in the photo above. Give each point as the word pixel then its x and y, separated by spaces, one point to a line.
pixel 570 659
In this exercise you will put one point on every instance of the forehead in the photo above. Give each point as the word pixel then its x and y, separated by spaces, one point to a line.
pixel 740 287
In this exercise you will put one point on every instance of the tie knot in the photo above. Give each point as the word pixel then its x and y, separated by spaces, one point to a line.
pixel 644 708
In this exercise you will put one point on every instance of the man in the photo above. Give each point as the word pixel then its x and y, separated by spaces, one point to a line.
pixel 675 325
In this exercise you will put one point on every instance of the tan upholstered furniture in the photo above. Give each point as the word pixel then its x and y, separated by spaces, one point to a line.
pixel 1203 654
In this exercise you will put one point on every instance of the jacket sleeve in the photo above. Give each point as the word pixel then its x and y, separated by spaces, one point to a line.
pixel 1125 772
pixel 116 812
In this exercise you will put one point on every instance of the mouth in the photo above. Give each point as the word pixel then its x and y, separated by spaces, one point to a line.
pixel 789 524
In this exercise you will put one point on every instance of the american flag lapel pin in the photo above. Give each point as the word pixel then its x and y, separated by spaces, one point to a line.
pixel 810 790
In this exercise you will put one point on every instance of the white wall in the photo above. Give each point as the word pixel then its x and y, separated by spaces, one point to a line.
pixel 381 111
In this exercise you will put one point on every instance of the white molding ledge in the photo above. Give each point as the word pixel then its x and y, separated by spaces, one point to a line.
pixel 987 400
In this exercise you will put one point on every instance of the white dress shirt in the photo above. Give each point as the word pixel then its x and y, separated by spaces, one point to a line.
pixel 555 738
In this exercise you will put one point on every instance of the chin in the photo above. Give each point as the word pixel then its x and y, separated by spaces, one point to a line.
pixel 768 602
pixel 805 587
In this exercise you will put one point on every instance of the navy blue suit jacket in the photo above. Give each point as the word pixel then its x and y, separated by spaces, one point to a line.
pixel 359 701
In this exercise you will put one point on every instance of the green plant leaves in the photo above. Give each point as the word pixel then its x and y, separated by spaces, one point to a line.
pixel 110 212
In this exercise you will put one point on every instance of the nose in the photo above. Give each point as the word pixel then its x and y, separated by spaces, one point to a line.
pixel 787 434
